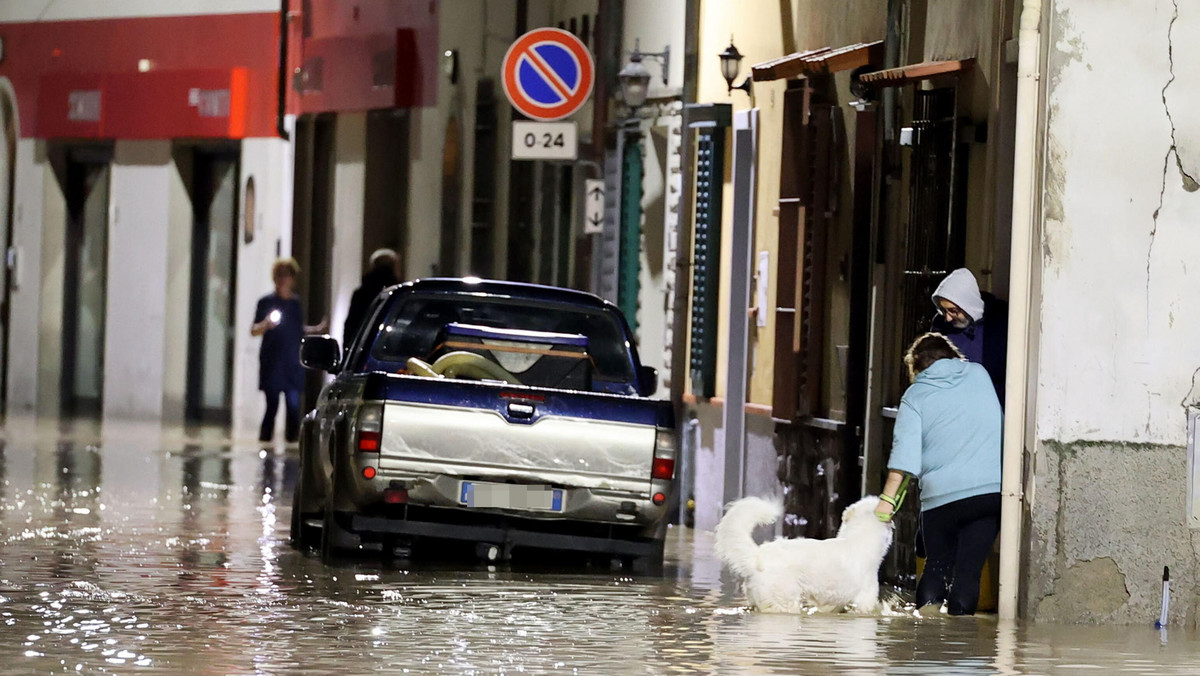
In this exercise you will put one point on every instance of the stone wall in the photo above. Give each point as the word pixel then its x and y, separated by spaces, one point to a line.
pixel 1106 518
pixel 1117 325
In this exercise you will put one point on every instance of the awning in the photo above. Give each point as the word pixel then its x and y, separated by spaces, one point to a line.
pixel 824 60
pixel 895 77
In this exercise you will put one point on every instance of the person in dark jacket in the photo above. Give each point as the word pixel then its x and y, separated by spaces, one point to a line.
pixel 279 319
pixel 381 273
pixel 977 324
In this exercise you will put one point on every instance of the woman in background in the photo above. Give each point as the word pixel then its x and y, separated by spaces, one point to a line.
pixel 279 320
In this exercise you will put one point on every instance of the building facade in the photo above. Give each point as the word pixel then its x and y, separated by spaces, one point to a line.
pixel 162 155
pixel 879 146
pixel 1113 495
pixel 840 240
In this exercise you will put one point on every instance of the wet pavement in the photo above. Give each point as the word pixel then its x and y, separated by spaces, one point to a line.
pixel 121 557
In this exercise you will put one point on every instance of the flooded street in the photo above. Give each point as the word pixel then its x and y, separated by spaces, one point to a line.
pixel 123 557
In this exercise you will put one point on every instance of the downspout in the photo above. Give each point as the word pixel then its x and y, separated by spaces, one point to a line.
pixel 1021 265
pixel 680 335
pixel 281 112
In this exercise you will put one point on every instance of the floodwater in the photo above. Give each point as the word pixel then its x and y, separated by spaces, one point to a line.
pixel 122 557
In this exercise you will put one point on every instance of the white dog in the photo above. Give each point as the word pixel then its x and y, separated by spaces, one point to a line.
pixel 795 575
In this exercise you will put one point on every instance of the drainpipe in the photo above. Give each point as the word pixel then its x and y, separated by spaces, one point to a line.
pixel 281 110
pixel 1023 245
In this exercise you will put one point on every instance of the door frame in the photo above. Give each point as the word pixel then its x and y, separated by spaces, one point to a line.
pixel 72 156
pixel 8 110
pixel 201 155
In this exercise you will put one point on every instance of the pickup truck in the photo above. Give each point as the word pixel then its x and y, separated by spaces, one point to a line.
pixel 506 416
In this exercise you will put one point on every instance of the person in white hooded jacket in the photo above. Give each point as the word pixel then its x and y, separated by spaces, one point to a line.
pixel 977 324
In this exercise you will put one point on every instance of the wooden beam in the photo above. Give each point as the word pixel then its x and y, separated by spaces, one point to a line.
pixel 771 70
pixel 894 77
pixel 824 60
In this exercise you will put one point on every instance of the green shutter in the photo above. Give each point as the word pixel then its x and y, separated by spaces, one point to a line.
pixel 706 271
pixel 628 262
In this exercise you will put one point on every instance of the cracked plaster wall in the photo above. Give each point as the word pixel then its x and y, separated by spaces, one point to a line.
pixel 1108 518
pixel 1119 315
pixel 1121 246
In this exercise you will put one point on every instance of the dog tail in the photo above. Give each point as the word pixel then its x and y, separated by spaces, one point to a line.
pixel 735 543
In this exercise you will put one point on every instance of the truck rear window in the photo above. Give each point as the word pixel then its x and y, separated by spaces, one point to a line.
pixel 428 327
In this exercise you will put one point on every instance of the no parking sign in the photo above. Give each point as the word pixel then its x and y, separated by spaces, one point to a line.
pixel 547 75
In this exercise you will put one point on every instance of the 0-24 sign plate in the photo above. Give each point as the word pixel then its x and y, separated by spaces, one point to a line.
pixel 545 140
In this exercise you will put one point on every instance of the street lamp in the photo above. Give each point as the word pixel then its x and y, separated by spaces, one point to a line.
pixel 731 63
pixel 635 79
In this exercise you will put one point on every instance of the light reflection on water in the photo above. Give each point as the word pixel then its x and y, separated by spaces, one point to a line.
pixel 125 558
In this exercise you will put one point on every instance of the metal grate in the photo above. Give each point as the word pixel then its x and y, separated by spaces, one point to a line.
pixel 934 239
pixel 706 268
pixel 628 264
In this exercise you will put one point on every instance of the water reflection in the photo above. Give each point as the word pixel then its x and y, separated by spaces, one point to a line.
pixel 121 555
pixel 203 508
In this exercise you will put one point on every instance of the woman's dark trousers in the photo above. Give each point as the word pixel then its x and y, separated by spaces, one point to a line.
pixel 958 539
pixel 291 400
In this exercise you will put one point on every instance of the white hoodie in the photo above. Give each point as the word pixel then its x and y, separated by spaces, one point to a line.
pixel 959 287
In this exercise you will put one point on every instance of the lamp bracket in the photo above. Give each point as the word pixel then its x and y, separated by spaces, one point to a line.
pixel 664 57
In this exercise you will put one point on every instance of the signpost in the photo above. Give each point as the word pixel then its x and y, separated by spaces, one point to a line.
pixel 547 75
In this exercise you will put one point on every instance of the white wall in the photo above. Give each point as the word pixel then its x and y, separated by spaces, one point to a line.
pixel 177 296
pixel 53 216
pixel 656 25
pixel 24 318
pixel 134 336
pixel 1120 315
pixel 480 31
pixel 269 161
pixel 348 187
pixel 425 190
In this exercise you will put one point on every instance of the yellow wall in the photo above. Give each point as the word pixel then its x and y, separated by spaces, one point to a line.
pixel 943 29
pixel 757 27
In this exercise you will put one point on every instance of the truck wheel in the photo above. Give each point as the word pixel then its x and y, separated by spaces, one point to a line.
pixel 648 564
pixel 304 534
pixel 296 533
pixel 335 540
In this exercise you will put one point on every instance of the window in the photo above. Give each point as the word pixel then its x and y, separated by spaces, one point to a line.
pixel 420 325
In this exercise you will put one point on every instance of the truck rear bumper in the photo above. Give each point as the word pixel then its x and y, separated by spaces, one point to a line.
pixel 510 532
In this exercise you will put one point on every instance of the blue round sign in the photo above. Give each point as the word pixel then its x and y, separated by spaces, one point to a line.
pixel 547 74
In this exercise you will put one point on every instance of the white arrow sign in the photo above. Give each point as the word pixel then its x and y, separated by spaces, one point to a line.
pixel 593 213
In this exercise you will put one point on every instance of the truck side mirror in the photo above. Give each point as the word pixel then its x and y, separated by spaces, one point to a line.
pixel 647 381
pixel 320 353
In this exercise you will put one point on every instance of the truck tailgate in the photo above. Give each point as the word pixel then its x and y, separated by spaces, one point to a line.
pixel 484 430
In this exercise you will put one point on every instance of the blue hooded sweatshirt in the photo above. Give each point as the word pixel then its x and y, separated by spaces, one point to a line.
pixel 948 433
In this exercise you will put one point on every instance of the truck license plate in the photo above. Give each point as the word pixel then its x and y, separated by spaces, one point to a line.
pixel 510 496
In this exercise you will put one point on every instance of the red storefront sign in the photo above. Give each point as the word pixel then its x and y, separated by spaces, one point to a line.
pixel 164 104
pixel 205 76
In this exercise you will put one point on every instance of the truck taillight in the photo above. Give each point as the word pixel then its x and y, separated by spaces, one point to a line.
pixel 664 455
pixel 664 468
pixel 370 429
pixel 369 441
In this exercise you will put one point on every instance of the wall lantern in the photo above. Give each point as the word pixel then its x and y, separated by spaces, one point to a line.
pixel 635 79
pixel 731 63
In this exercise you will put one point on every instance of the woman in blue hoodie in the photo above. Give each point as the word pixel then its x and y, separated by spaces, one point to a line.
pixel 948 436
